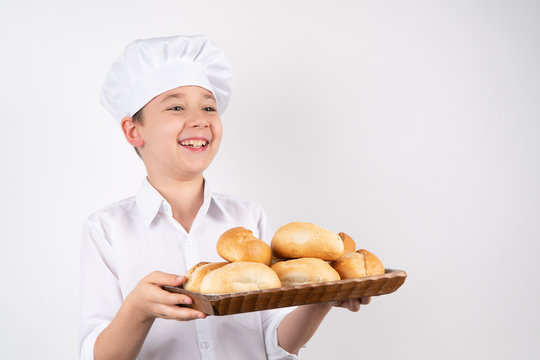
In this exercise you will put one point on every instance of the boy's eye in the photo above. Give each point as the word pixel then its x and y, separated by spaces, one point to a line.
pixel 176 108
pixel 209 108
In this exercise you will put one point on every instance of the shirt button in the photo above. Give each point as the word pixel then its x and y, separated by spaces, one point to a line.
pixel 204 345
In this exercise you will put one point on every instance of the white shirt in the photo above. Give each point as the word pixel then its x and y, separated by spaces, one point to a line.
pixel 126 241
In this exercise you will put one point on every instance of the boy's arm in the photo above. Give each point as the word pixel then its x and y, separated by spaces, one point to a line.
pixel 125 335
pixel 299 326
pixel 113 327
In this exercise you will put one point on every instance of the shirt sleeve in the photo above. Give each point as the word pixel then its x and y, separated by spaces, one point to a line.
pixel 270 320
pixel 100 294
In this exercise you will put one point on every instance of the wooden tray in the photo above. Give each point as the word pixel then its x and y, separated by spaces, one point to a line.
pixel 227 304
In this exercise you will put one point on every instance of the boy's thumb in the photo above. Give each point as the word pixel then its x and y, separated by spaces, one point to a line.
pixel 165 279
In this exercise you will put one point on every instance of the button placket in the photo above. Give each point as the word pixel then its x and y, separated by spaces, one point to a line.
pixel 190 250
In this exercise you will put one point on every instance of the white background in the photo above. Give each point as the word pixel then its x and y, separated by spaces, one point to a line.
pixel 411 125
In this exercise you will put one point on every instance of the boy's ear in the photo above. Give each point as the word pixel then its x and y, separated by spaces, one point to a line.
pixel 131 132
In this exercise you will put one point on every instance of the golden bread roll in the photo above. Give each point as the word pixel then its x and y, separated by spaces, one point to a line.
pixel 239 276
pixel 358 264
pixel 239 244
pixel 195 275
pixel 350 266
pixel 374 266
pixel 304 271
pixel 348 242
pixel 298 240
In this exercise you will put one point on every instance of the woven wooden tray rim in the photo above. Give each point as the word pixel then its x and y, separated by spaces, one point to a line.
pixel 227 304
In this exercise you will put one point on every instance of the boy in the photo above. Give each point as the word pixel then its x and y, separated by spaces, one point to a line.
pixel 168 94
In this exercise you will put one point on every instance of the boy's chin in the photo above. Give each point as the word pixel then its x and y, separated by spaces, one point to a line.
pixel 191 172
pixel 181 170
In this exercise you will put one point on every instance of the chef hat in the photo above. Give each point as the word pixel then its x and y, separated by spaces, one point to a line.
pixel 150 67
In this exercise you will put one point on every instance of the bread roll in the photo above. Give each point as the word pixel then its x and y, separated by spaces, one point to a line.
pixel 239 244
pixel 374 266
pixel 350 266
pixel 239 277
pixel 304 271
pixel 358 264
pixel 298 239
pixel 195 275
pixel 348 242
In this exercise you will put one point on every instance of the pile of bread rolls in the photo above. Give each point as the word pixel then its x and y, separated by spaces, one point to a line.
pixel 300 253
pixel 247 268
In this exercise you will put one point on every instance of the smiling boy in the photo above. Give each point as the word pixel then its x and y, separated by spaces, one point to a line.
pixel 177 134
pixel 168 95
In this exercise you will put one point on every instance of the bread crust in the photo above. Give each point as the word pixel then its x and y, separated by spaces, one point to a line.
pixel 304 271
pixel 374 265
pixel 348 243
pixel 196 274
pixel 358 264
pixel 306 240
pixel 240 276
pixel 239 244
pixel 350 266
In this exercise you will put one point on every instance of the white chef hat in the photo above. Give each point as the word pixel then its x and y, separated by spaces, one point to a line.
pixel 151 67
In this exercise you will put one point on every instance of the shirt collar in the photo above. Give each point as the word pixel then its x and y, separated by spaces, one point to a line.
pixel 150 202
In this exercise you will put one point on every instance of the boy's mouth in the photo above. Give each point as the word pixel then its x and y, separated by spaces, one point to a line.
pixel 194 143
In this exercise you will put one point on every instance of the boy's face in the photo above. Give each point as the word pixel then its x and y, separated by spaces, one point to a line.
pixel 181 132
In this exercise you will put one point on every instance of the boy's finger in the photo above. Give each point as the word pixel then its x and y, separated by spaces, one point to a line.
pixel 365 300
pixel 178 313
pixel 164 297
pixel 164 279
pixel 184 314
pixel 353 304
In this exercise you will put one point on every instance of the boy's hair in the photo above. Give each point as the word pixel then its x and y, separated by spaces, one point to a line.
pixel 137 118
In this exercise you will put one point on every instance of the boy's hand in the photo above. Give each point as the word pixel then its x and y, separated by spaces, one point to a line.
pixel 150 301
pixel 353 304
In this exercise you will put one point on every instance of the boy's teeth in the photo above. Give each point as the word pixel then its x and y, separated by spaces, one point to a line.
pixel 193 143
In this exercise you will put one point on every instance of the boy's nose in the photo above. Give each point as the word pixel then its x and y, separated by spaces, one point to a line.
pixel 198 121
